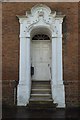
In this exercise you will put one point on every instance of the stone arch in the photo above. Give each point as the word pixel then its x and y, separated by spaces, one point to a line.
pixel 41 30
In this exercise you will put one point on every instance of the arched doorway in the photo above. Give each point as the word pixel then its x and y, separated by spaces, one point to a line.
pixel 48 53
pixel 41 56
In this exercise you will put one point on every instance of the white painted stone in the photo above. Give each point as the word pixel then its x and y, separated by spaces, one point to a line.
pixel 59 96
pixel 24 75
pixel 22 95
pixel 41 20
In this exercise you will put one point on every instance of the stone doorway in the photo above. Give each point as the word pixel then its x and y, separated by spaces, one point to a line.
pixel 41 21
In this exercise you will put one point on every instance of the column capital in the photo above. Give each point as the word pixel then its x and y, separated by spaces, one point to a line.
pixel 58 36
pixel 54 37
pixel 28 37
pixel 22 36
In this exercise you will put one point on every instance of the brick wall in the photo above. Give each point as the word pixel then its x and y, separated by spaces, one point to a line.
pixel 10 35
pixel 79 49
pixel 9 89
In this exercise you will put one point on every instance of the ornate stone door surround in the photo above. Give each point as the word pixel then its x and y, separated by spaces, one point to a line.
pixel 40 20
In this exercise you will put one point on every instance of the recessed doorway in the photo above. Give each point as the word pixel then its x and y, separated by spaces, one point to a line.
pixel 44 55
pixel 41 59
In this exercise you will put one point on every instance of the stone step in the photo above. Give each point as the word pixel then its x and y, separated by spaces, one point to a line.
pixel 37 96
pixel 41 95
pixel 38 86
pixel 39 105
pixel 41 91
pixel 41 85
pixel 41 82
pixel 43 105
pixel 40 100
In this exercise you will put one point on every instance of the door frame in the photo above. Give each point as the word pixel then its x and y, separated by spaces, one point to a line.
pixel 30 24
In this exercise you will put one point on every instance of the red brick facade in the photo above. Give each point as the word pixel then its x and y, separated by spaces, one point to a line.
pixel 10 42
pixel 79 49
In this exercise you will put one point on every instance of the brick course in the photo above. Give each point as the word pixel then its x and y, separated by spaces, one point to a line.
pixel 10 42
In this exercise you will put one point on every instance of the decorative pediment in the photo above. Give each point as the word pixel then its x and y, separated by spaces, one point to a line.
pixel 40 9
pixel 41 15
